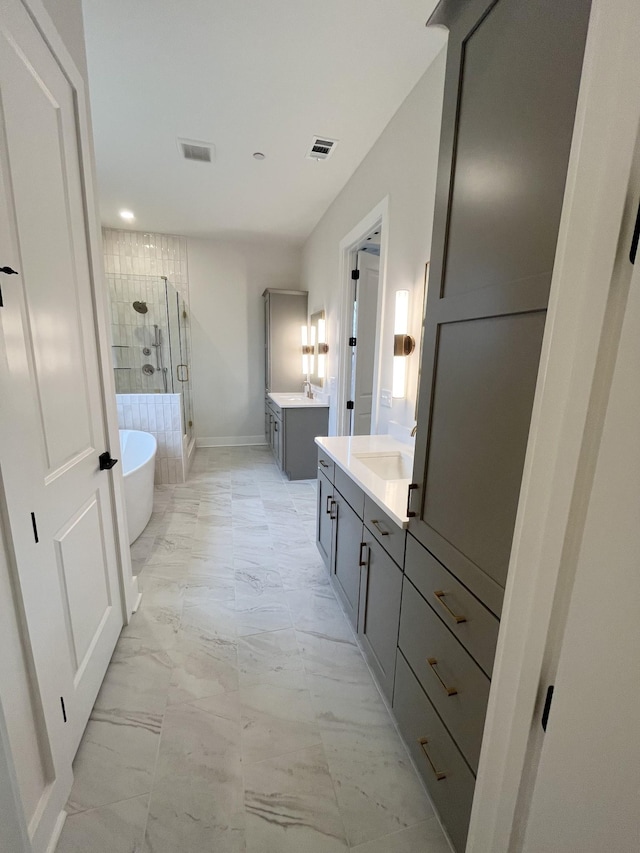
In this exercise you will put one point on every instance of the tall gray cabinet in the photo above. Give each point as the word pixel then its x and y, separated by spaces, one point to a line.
pixel 511 87
pixel 285 312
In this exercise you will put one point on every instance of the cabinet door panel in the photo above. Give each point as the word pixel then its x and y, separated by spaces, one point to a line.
pixel 379 617
pixel 346 566
pixel 506 136
pixel 324 528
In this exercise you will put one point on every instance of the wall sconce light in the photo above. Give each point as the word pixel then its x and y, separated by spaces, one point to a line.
pixel 403 344
pixel 323 347
pixel 306 350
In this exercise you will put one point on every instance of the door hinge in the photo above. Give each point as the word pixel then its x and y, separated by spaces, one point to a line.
pixel 6 271
pixel 35 527
pixel 635 238
pixel 352 342
pixel 64 710
pixel 355 275
pixel 547 707
pixel 350 404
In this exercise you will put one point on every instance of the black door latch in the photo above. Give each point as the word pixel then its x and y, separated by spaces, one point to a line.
pixel 106 462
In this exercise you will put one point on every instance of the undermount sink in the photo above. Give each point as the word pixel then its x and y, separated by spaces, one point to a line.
pixel 391 465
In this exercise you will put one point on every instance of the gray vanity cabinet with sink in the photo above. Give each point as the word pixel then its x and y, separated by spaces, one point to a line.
pixel 290 432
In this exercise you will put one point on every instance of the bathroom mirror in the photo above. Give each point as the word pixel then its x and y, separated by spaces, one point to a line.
pixel 318 340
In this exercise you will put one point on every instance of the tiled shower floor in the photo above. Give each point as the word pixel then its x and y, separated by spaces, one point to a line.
pixel 237 713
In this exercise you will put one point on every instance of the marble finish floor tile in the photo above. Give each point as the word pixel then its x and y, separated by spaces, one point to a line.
pixel 425 837
pixel 271 658
pixel 276 720
pixel 291 805
pixel 116 828
pixel 238 714
pixel 197 799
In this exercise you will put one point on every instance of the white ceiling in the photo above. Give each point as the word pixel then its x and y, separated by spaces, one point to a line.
pixel 246 75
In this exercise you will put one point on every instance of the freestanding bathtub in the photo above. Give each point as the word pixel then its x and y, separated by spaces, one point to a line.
pixel 138 468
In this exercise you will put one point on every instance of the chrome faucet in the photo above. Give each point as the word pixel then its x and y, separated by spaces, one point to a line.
pixel 414 430
pixel 306 388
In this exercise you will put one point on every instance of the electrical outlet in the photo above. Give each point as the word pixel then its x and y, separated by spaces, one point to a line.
pixel 385 398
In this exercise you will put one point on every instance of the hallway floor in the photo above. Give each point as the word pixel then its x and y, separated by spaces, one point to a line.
pixel 237 713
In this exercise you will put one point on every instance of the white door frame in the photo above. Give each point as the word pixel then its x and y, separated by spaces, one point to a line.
pixel 379 216
pixel 596 210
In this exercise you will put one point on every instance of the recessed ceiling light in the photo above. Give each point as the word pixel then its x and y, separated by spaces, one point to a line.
pixel 258 155
pixel 127 214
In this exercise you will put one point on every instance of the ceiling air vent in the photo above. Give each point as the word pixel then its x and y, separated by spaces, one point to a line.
pixel 201 152
pixel 321 148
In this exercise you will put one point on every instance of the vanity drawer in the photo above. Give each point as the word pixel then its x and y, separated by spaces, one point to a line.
pixel 350 492
pixel 453 681
pixel 385 530
pixel 275 408
pixel 447 776
pixel 325 464
pixel 470 621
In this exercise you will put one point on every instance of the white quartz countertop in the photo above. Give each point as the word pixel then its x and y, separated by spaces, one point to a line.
pixel 348 453
pixel 296 401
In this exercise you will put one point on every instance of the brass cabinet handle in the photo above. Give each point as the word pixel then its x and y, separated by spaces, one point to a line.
pixel 323 463
pixel 423 741
pixel 379 528
pixel 362 562
pixel 439 594
pixel 433 663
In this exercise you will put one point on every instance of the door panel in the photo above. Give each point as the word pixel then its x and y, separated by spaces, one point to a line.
pixel 54 429
pixel 366 308
pixel 85 582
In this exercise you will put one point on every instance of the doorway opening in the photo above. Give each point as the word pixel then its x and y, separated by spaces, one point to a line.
pixel 363 254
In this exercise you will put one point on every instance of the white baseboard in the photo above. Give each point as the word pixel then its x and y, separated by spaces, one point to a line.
pixel 57 832
pixel 230 440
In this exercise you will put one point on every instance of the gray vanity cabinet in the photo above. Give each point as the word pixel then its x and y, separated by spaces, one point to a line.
pixel 379 611
pixel 291 432
pixel 347 555
pixel 325 516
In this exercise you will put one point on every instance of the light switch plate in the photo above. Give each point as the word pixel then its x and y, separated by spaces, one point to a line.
pixel 385 398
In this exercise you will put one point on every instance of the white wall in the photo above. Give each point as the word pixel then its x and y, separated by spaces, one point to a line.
pixel 402 165
pixel 226 282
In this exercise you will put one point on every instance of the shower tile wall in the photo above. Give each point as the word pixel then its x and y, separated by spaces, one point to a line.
pixel 161 415
pixel 147 256
pixel 138 253
pixel 132 332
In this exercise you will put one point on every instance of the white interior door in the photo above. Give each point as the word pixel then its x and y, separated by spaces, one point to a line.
pixel 365 330
pixel 586 797
pixel 57 501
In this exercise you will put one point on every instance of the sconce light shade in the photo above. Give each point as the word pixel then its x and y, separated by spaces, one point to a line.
pixel 403 344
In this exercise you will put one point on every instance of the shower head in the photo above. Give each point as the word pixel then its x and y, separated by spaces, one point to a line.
pixel 140 307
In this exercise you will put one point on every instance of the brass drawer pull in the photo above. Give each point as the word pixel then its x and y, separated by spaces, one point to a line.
pixel 376 524
pixel 433 663
pixel 323 463
pixel 439 594
pixel 423 741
